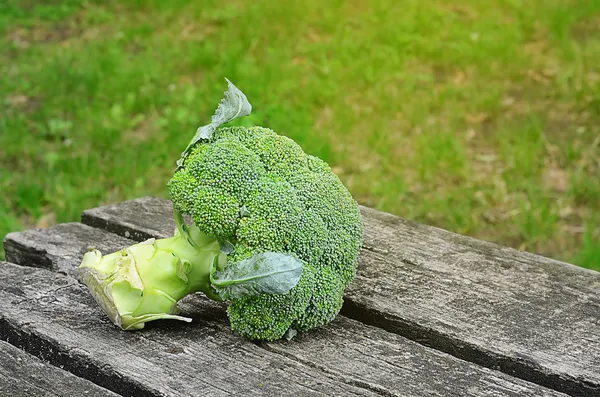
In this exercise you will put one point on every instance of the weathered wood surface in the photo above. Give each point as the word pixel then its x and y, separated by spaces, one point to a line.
pixel 355 357
pixel 529 316
pixel 138 219
pixel 49 252
pixel 53 316
pixel 23 375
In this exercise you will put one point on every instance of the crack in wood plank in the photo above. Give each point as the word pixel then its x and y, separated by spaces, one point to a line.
pixel 23 375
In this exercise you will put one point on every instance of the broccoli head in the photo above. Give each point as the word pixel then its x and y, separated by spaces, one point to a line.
pixel 274 232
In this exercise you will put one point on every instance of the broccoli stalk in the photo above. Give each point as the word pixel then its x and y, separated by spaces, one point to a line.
pixel 274 232
pixel 144 281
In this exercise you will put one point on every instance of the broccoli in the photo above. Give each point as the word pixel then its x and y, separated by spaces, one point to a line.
pixel 274 232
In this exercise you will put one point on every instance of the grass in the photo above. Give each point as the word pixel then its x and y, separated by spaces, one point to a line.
pixel 479 117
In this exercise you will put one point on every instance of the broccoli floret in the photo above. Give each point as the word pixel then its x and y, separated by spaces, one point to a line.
pixel 275 232
pixel 269 316
pixel 294 204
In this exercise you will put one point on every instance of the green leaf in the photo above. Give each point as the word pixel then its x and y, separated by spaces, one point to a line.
pixel 226 247
pixel 290 334
pixel 233 105
pixel 244 211
pixel 264 273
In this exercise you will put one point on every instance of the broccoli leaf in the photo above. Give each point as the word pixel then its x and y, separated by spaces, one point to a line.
pixel 233 105
pixel 226 247
pixel 263 273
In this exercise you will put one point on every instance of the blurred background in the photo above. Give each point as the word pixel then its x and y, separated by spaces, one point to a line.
pixel 480 117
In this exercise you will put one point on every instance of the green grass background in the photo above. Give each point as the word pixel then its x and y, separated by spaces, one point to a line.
pixel 481 117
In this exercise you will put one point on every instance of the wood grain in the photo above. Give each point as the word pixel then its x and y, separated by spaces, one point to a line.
pixel 23 375
pixel 347 353
pixel 529 316
pixel 47 250
pixel 52 316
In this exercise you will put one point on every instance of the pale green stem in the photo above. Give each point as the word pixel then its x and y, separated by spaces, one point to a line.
pixel 143 282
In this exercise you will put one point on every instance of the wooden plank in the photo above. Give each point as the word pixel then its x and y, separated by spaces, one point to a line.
pixel 23 375
pixel 386 362
pixel 529 316
pixel 346 352
pixel 24 247
pixel 53 316
pixel 138 219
